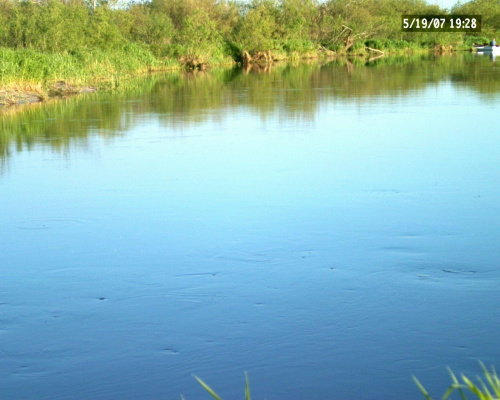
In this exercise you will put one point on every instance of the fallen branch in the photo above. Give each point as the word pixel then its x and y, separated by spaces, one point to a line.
pixel 375 50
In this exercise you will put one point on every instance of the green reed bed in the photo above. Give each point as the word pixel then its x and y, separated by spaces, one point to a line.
pixel 22 68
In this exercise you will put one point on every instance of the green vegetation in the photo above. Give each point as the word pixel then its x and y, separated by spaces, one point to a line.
pixel 83 42
pixel 216 397
pixel 480 390
pixel 30 66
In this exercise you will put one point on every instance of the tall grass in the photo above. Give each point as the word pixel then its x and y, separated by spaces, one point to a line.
pixel 489 390
pixel 29 66
pixel 216 396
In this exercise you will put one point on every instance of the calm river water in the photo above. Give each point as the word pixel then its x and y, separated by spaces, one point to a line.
pixel 331 230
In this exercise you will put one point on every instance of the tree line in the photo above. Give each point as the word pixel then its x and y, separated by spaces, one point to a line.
pixel 221 28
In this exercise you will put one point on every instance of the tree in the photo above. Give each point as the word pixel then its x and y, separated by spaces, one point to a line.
pixel 258 26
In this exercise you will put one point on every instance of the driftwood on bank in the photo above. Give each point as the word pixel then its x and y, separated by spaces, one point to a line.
pixel 61 89
pixel 246 58
pixel 375 50
pixel 259 58
pixel 265 58
pixel 439 48
pixel 193 63
pixel 347 37
pixel 326 52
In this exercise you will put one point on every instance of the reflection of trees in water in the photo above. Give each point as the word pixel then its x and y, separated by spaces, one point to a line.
pixel 58 125
pixel 481 73
pixel 182 99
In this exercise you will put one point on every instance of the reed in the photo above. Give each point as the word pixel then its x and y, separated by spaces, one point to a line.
pixel 216 396
pixel 23 67
pixel 486 389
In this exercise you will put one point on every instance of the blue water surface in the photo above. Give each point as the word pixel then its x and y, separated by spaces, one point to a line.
pixel 331 245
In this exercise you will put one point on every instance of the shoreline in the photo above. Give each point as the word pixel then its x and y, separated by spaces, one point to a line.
pixel 20 97
pixel 22 94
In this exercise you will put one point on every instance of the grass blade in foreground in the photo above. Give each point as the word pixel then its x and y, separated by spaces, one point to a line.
pixel 482 392
pixel 422 389
pixel 247 388
pixel 216 396
pixel 208 388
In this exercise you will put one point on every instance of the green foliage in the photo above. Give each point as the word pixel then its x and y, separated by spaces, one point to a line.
pixel 258 26
pixel 103 32
pixel 471 40
pixel 375 44
pixel 198 35
pixel 296 19
pixel 211 28
pixel 488 9
pixel 357 46
pixel 51 26
pixel 298 45
pixel 151 27
pixel 483 391
pixel 391 44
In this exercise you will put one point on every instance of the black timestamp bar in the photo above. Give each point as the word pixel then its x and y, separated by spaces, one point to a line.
pixel 441 23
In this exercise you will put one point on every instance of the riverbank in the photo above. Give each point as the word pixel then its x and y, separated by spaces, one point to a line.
pixel 30 95
pixel 95 45
pixel 30 76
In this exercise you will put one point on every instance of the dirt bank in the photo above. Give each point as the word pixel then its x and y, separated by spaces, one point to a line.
pixel 19 96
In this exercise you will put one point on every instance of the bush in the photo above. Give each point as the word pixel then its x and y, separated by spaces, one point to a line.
pixel 198 36
pixel 298 45
pixel 256 29
pixel 471 40
pixel 375 44
pixel 357 47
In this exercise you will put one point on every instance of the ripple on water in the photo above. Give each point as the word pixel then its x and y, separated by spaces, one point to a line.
pixel 47 223
pixel 170 351
pixel 447 271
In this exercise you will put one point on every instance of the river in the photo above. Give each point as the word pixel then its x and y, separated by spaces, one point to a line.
pixel 330 229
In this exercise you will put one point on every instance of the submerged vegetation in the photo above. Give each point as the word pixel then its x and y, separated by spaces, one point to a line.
pixel 98 41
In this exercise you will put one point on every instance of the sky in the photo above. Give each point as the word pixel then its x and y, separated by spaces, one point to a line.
pixel 444 3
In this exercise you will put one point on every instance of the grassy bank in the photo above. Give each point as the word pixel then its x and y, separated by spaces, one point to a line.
pixel 30 75
pixel 102 43
pixel 29 68
pixel 41 73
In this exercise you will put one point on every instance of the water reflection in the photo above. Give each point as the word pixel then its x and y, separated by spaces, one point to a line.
pixel 180 99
